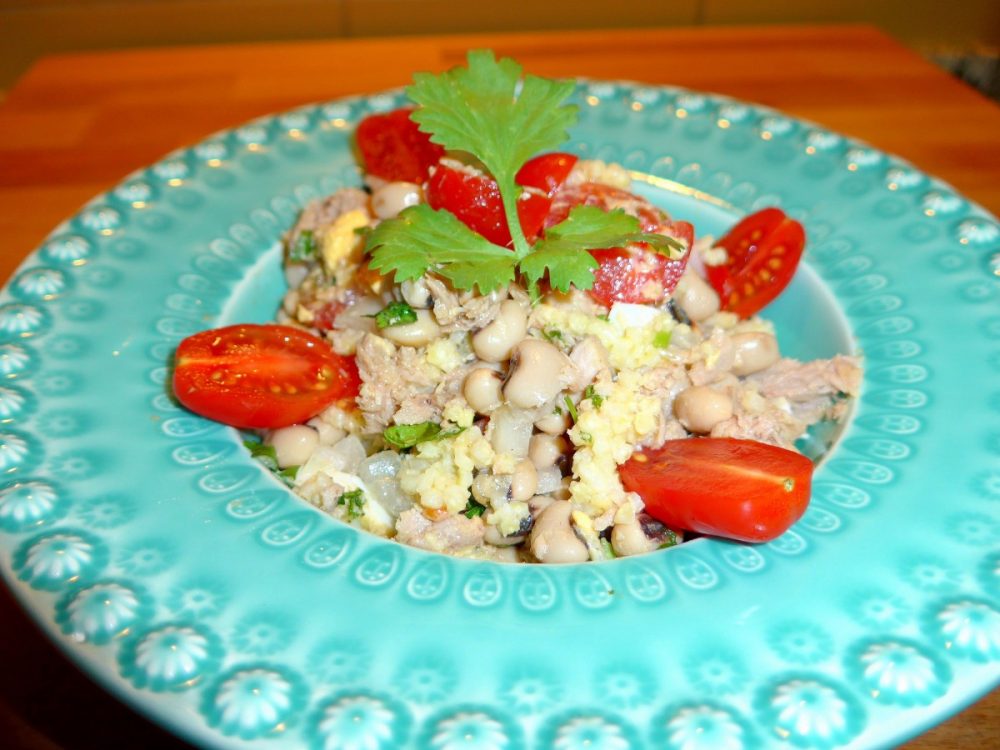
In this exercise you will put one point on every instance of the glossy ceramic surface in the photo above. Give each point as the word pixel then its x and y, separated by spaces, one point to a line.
pixel 175 570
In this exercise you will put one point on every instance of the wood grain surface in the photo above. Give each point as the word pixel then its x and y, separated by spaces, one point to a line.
pixel 76 125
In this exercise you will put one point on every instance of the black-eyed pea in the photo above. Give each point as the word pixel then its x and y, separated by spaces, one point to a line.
pixel 547 450
pixel 482 389
pixel 421 332
pixel 524 481
pixel 552 539
pixel 700 407
pixel 536 373
pixel 754 351
pixel 496 341
pixel 293 445
pixel 389 199
pixel 696 298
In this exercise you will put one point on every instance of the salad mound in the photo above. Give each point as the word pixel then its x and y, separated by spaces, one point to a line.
pixel 497 350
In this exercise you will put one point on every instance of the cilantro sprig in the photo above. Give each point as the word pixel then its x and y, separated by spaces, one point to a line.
pixel 487 109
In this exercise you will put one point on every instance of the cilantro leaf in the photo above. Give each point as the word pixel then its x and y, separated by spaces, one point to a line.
pixel 501 119
pixel 421 239
pixel 562 252
pixel 488 110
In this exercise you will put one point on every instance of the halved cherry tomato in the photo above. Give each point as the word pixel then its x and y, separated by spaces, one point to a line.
pixel 634 274
pixel 546 172
pixel 737 489
pixel 261 376
pixel 393 147
pixel 764 251
pixel 474 198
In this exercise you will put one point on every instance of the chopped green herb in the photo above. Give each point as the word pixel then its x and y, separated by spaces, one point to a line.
pixel 587 438
pixel 403 436
pixel 304 248
pixel 553 335
pixel 571 408
pixel 265 454
pixel 268 458
pixel 595 398
pixel 557 410
pixel 605 317
pixel 473 509
pixel 671 540
pixel 487 109
pixel 355 501
pixel 662 339
pixel 609 551
pixel 395 314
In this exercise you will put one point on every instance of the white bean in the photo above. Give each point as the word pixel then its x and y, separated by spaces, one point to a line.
pixel 545 450
pixel 392 197
pixel 552 538
pixel 293 445
pixel 699 408
pixel 495 342
pixel 754 351
pixel 415 293
pixel 537 373
pixel 482 390
pixel 421 332
pixel 629 539
pixel 524 481
pixel 695 296
pixel 556 422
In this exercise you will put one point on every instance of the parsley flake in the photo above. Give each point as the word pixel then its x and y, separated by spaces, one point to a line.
pixel 662 340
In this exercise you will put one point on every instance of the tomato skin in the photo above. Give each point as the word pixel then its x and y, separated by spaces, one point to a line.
pixel 261 376
pixel 475 199
pixel 394 148
pixel 546 172
pixel 635 274
pixel 737 489
pixel 764 250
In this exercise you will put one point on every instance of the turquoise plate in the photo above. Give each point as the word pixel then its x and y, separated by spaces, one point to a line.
pixel 182 576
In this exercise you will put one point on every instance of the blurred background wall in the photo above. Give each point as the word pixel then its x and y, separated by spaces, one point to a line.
pixel 964 35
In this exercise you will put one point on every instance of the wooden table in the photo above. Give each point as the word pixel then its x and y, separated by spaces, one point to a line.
pixel 77 124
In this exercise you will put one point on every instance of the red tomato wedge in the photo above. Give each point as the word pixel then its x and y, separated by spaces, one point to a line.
pixel 635 274
pixel 261 376
pixel 393 147
pixel 764 251
pixel 737 489
pixel 474 198
pixel 546 172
